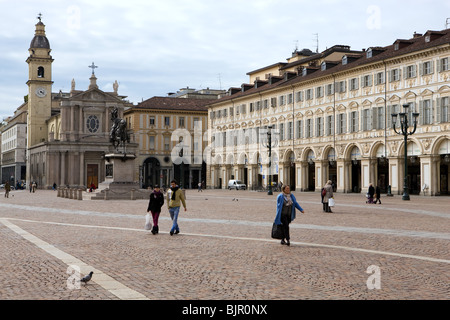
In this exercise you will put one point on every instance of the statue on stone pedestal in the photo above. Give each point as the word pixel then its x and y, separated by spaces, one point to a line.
pixel 119 133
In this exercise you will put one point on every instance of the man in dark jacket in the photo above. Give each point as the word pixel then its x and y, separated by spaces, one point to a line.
pixel 154 206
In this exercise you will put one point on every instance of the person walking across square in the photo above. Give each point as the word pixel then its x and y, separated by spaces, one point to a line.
pixel 176 199
pixel 154 206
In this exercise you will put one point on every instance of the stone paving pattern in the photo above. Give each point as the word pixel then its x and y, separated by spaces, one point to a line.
pixel 224 250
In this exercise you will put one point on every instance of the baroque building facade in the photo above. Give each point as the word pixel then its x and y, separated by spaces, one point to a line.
pixel 67 134
pixel 162 127
pixel 330 115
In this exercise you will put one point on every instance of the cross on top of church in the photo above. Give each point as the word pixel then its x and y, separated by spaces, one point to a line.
pixel 39 16
pixel 92 66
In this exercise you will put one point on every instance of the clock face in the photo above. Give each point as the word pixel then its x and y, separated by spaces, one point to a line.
pixel 41 92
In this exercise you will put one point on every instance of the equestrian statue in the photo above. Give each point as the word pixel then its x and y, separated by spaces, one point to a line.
pixel 119 134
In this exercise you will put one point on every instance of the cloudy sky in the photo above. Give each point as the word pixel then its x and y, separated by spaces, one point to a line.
pixel 152 47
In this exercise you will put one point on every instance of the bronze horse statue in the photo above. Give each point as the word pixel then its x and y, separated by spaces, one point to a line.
pixel 119 133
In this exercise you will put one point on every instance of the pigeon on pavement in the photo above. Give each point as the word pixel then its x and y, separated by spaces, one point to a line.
pixel 87 278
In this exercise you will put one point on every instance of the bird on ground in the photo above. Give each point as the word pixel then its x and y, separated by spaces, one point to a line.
pixel 87 278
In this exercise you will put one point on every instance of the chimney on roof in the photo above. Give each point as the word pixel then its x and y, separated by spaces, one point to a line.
pixel 416 35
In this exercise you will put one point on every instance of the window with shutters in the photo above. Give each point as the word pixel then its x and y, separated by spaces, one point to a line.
pixel 309 128
pixel 319 127
pixel 427 68
pixel 354 84
pixel 289 131
pixel 410 72
pixel 341 123
pixel 342 86
pixel 309 94
pixel 354 121
pixel 395 75
pixel 366 120
pixel 443 65
pixel 426 112
pixel 379 78
pixel 299 129
pixel 444 110
pixel 330 89
pixel 367 81
pixel 299 96
pixel 281 131
pixel 329 129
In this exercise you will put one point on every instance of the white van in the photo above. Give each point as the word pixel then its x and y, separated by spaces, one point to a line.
pixel 236 184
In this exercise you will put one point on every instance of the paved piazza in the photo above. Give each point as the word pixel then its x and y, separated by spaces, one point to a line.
pixel 396 250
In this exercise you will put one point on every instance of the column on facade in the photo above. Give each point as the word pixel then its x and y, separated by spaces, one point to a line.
pixel 298 175
pixel 341 175
pixel 428 174
pixel 368 172
pixel 395 175
pixel 62 182
pixel 321 174
pixel 82 183
pixel 81 120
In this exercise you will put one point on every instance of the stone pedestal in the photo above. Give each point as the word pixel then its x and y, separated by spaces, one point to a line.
pixel 119 183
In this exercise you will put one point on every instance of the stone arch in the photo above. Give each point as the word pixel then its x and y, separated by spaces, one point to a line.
pixel 439 143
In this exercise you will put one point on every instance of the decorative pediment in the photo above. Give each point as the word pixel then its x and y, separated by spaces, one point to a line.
pixel 281 118
pixel 266 121
pixel 353 105
pixel 251 123
pixel 273 119
pixel 394 98
pixel 319 111
pixel 258 122
pixel 410 95
pixel 299 115
pixel 426 92
pixel 309 113
pixel 96 95
pixel 443 89
pixel 379 101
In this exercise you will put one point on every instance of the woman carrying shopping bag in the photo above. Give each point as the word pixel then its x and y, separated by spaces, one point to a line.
pixel 286 205
pixel 328 194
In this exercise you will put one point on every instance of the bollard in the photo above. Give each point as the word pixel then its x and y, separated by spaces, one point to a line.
pixel 66 192
pixel 75 194
pixel 70 193
pixel 80 194
pixel 58 192
pixel 106 193
pixel 132 194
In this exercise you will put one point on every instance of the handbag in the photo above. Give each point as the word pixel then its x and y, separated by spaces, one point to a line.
pixel 331 202
pixel 277 231
pixel 148 222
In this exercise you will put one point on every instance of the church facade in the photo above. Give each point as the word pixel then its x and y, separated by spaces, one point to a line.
pixel 67 133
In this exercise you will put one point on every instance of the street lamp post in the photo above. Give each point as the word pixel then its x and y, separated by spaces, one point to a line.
pixel 404 131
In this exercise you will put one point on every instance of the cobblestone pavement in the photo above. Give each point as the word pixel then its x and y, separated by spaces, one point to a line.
pixel 396 250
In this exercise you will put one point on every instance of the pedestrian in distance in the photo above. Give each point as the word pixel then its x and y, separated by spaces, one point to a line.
pixel 176 199
pixel 286 205
pixel 377 195
pixel 370 193
pixel 7 189
pixel 200 187
pixel 327 193
pixel 154 206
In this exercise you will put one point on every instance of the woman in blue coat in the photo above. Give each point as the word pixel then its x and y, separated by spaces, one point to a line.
pixel 286 204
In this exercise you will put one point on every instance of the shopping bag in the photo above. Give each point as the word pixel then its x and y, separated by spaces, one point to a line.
pixel 277 231
pixel 148 222
pixel 331 202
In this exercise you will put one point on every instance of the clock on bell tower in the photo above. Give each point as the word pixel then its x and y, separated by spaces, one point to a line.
pixel 39 86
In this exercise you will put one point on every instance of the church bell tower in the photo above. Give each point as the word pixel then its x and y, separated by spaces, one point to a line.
pixel 39 86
